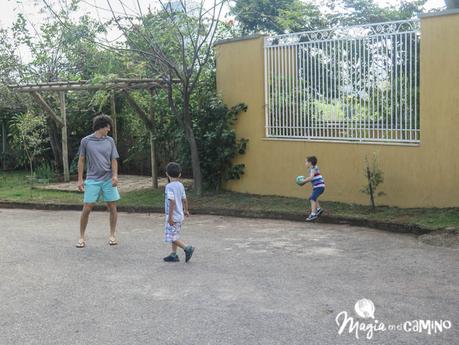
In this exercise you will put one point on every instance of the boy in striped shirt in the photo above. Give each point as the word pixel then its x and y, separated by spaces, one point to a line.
pixel 318 187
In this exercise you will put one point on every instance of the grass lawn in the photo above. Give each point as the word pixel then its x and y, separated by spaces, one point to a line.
pixel 14 187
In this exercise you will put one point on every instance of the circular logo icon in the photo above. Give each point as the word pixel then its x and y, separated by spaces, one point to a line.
pixel 365 308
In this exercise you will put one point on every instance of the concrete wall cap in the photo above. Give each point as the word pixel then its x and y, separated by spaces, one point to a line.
pixel 439 14
pixel 237 39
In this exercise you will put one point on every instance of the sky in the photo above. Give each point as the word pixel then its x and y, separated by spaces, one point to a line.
pixel 100 10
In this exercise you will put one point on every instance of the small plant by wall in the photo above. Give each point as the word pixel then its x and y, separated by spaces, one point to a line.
pixel 374 176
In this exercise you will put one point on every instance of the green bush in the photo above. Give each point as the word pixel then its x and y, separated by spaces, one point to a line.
pixel 8 161
pixel 217 141
pixel 28 137
pixel 45 172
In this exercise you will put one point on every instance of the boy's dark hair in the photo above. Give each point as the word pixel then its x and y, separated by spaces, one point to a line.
pixel 312 160
pixel 101 121
pixel 173 169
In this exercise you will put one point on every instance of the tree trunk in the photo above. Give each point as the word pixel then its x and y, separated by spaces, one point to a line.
pixel 195 162
pixel 55 142
pixel 31 168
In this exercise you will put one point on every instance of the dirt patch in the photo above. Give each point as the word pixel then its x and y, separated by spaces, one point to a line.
pixel 127 183
pixel 442 238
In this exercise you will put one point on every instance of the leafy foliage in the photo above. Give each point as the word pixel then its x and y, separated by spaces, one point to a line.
pixel 284 16
pixel 28 134
pixel 45 171
pixel 278 16
pixel 217 141
pixel 213 125
pixel 354 12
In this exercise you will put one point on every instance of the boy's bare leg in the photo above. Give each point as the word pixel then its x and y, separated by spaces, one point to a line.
pixel 313 206
pixel 317 204
pixel 176 244
pixel 87 208
pixel 113 219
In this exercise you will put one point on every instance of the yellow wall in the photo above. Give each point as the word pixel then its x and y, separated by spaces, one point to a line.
pixel 414 176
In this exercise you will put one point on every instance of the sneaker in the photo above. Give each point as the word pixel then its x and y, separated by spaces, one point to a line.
pixel 172 258
pixel 311 217
pixel 319 211
pixel 188 253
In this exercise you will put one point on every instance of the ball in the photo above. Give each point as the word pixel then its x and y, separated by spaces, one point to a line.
pixel 300 180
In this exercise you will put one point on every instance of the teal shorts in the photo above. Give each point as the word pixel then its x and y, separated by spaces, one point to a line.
pixel 100 191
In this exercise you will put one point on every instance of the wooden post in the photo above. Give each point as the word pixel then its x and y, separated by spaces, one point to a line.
pixel 149 124
pixel 3 137
pixel 65 153
pixel 154 171
pixel 3 145
pixel 154 175
pixel 114 129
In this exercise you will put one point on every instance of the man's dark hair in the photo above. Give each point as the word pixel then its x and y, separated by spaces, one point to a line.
pixel 101 121
pixel 173 169
pixel 312 160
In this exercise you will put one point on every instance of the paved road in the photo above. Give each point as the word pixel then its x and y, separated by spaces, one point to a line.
pixel 250 282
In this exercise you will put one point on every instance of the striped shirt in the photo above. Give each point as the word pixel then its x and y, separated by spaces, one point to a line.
pixel 317 179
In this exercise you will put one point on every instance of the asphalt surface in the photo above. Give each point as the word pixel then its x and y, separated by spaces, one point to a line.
pixel 250 282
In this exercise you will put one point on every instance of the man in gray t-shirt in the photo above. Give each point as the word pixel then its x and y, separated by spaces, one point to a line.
pixel 99 151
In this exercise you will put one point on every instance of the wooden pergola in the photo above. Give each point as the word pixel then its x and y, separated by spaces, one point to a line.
pixel 123 85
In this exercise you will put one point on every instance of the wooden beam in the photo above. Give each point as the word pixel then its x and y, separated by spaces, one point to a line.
pixel 3 137
pixel 114 129
pixel 150 126
pixel 81 87
pixel 142 114
pixel 154 173
pixel 88 82
pixel 3 144
pixel 65 151
pixel 41 101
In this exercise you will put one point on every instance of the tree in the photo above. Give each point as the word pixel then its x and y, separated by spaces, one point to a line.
pixel 28 133
pixel 276 16
pixel 214 129
pixel 177 43
pixel 354 12
pixel 174 43
pixel 55 54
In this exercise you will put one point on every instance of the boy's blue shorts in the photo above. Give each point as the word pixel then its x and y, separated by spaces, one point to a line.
pixel 100 190
pixel 316 192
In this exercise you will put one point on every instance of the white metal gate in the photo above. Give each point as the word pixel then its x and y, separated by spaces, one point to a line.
pixel 358 84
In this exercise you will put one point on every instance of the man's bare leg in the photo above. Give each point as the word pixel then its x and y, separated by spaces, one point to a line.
pixel 113 220
pixel 87 208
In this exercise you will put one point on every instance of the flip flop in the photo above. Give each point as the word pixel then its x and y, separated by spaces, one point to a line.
pixel 81 244
pixel 112 243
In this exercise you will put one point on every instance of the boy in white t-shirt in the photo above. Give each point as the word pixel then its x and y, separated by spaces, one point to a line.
pixel 176 208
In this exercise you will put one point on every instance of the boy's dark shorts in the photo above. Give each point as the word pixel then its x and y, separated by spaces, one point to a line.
pixel 316 192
